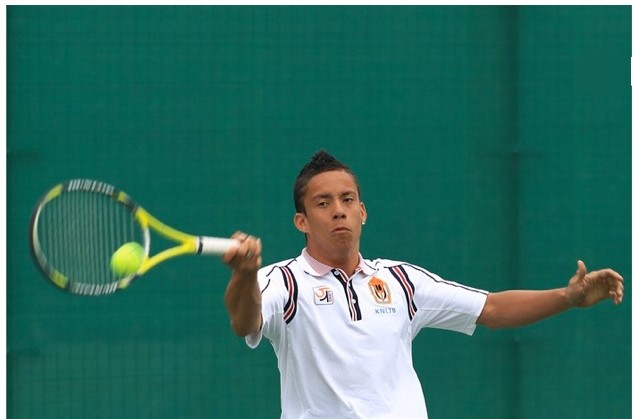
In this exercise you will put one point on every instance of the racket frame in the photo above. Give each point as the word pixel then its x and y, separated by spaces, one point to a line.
pixel 187 243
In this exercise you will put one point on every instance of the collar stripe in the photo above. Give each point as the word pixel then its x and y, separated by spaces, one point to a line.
pixel 350 294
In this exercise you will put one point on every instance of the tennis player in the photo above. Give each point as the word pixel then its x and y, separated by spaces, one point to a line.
pixel 342 326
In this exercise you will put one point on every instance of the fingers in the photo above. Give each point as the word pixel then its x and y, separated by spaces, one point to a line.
pixel 611 281
pixel 247 255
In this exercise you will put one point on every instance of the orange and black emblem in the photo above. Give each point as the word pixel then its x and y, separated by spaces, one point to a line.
pixel 380 291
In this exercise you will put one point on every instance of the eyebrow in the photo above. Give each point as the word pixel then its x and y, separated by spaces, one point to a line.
pixel 329 195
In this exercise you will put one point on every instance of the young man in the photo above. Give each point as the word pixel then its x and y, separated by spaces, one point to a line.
pixel 339 322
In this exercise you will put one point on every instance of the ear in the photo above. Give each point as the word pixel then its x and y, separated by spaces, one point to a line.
pixel 300 222
pixel 363 213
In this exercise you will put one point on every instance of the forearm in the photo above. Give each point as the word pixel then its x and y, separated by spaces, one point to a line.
pixel 243 303
pixel 520 308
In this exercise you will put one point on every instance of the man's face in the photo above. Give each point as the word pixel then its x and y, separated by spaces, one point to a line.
pixel 333 215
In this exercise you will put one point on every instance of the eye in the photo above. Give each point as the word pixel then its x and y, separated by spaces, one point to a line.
pixel 322 204
pixel 348 199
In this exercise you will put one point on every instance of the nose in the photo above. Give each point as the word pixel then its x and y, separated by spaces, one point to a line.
pixel 339 212
pixel 338 216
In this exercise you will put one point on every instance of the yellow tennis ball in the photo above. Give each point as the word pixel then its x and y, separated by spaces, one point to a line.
pixel 127 259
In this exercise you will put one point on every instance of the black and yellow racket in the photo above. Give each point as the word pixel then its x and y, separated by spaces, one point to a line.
pixel 79 227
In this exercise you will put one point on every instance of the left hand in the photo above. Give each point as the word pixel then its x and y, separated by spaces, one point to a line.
pixel 588 288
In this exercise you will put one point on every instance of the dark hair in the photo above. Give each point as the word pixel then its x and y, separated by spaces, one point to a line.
pixel 320 162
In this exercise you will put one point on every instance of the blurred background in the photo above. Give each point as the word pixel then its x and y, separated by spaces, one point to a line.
pixel 492 144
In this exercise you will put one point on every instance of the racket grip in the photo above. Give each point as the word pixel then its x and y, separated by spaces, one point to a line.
pixel 215 245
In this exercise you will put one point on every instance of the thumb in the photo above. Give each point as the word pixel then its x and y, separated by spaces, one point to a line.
pixel 575 288
pixel 581 269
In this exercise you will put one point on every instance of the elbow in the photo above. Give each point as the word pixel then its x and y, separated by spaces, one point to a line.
pixel 239 330
pixel 243 327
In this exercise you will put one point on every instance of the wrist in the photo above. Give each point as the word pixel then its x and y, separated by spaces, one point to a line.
pixel 570 297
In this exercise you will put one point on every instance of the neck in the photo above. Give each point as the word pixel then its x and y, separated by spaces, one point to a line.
pixel 346 262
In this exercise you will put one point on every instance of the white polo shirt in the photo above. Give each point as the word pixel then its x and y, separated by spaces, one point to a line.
pixel 344 345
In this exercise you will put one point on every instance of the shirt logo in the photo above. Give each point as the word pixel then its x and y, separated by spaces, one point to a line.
pixel 380 291
pixel 323 296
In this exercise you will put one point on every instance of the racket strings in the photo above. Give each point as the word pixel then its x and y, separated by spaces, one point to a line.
pixel 78 233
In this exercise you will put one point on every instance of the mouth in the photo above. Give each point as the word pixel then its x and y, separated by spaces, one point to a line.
pixel 340 229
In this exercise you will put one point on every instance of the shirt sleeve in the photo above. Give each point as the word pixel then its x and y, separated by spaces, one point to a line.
pixel 273 298
pixel 445 304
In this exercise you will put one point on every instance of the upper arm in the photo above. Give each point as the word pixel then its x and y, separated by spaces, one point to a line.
pixel 486 318
pixel 446 304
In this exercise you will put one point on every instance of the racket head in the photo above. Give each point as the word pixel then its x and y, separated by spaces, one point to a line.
pixel 76 227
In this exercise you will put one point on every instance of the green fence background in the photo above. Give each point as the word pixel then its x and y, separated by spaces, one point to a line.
pixel 493 146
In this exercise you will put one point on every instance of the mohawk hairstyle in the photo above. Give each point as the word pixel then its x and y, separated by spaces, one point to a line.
pixel 320 162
